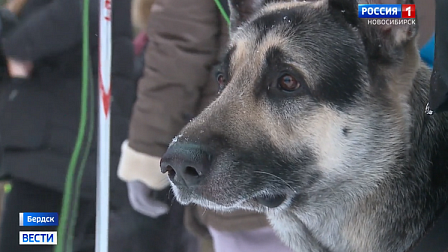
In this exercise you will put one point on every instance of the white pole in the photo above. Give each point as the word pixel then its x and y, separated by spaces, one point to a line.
pixel 103 168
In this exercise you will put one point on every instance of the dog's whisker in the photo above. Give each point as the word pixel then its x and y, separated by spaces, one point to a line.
pixel 277 178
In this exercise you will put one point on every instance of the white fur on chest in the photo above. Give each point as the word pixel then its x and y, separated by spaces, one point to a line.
pixel 303 233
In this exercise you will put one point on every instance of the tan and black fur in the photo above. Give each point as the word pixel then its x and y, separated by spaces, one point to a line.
pixel 349 161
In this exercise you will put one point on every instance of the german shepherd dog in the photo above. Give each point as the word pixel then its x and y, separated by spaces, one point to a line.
pixel 321 125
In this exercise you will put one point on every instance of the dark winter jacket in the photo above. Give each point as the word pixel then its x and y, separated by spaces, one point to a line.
pixel 438 95
pixel 39 116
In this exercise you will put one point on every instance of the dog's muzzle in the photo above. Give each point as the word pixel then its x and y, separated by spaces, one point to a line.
pixel 186 164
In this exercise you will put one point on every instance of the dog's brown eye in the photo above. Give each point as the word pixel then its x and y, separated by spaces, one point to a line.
pixel 220 78
pixel 221 82
pixel 288 83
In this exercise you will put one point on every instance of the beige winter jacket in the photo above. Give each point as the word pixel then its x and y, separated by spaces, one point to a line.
pixel 186 38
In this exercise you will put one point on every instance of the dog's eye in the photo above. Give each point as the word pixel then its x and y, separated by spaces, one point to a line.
pixel 221 81
pixel 288 83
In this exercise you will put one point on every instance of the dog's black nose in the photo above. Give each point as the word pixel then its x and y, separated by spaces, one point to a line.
pixel 186 164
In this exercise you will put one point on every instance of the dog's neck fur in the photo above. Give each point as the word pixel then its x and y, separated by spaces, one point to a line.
pixel 341 226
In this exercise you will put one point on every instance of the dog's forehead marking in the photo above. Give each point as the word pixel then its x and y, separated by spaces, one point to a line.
pixel 250 58
pixel 246 50
pixel 250 55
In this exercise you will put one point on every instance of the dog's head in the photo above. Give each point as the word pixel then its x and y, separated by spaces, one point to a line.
pixel 312 99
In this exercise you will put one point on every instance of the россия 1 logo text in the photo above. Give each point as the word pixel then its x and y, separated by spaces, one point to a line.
pixel 386 10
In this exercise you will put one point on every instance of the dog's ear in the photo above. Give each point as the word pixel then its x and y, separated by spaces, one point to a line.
pixel 242 10
pixel 381 36
pixel 382 40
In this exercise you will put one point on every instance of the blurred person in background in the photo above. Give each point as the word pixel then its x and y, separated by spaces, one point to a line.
pixel 8 20
pixel 426 19
pixel 39 119
pixel 438 95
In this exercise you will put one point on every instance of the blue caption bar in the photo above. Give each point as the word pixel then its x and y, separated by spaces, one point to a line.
pixel 38 219
pixel 379 10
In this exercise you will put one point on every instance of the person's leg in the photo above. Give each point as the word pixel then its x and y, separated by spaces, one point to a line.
pixel 132 231
pixel 25 197
pixel 85 227
pixel 128 230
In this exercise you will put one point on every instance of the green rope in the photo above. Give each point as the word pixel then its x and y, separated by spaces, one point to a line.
pixel 223 12
pixel 71 194
pixel 75 207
